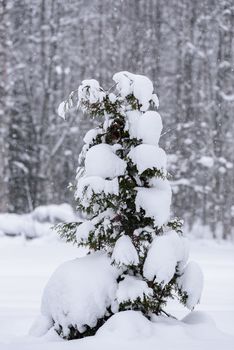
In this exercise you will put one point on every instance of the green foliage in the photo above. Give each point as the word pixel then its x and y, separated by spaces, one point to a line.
pixel 133 102
pixel 67 231
pixel 100 109
pixel 98 203
pixel 145 305
pixel 74 333
pixel 183 296
pixel 176 224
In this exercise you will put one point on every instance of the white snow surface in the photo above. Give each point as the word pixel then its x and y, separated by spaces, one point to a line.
pixel 124 252
pixel 23 225
pixel 132 288
pixel 83 230
pixel 155 201
pixel 40 326
pixel 149 127
pixel 127 325
pixel 148 157
pixel 14 225
pixel 138 85
pixel 165 253
pixel 89 185
pixel 145 126
pixel 91 135
pixel 102 161
pixel 25 267
pixel 191 282
pixel 80 291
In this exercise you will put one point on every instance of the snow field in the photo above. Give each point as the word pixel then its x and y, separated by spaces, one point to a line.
pixel 26 266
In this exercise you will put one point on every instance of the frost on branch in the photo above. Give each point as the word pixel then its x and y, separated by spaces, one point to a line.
pixel 66 105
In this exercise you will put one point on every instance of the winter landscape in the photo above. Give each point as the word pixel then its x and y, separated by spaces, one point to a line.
pixel 116 175
pixel 30 264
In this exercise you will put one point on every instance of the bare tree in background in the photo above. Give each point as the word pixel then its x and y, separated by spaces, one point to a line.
pixel 186 47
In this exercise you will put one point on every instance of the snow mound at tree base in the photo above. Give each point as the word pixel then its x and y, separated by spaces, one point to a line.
pixel 130 330
pixel 132 325
pixel 78 297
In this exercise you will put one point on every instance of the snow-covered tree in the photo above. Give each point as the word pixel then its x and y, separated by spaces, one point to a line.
pixel 124 194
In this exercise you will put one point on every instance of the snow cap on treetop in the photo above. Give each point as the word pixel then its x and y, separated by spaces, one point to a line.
pixel 138 85
pixel 90 93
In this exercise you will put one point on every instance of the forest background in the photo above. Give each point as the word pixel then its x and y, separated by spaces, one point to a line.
pixel 185 47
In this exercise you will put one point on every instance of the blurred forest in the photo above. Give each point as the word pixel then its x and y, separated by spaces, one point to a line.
pixel 47 47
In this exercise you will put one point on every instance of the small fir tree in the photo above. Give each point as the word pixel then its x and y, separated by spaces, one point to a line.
pixel 124 195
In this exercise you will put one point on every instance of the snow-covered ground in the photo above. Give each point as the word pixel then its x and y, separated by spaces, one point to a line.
pixel 38 223
pixel 25 267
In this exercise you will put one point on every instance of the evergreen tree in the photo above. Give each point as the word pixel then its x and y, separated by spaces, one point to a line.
pixel 124 194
